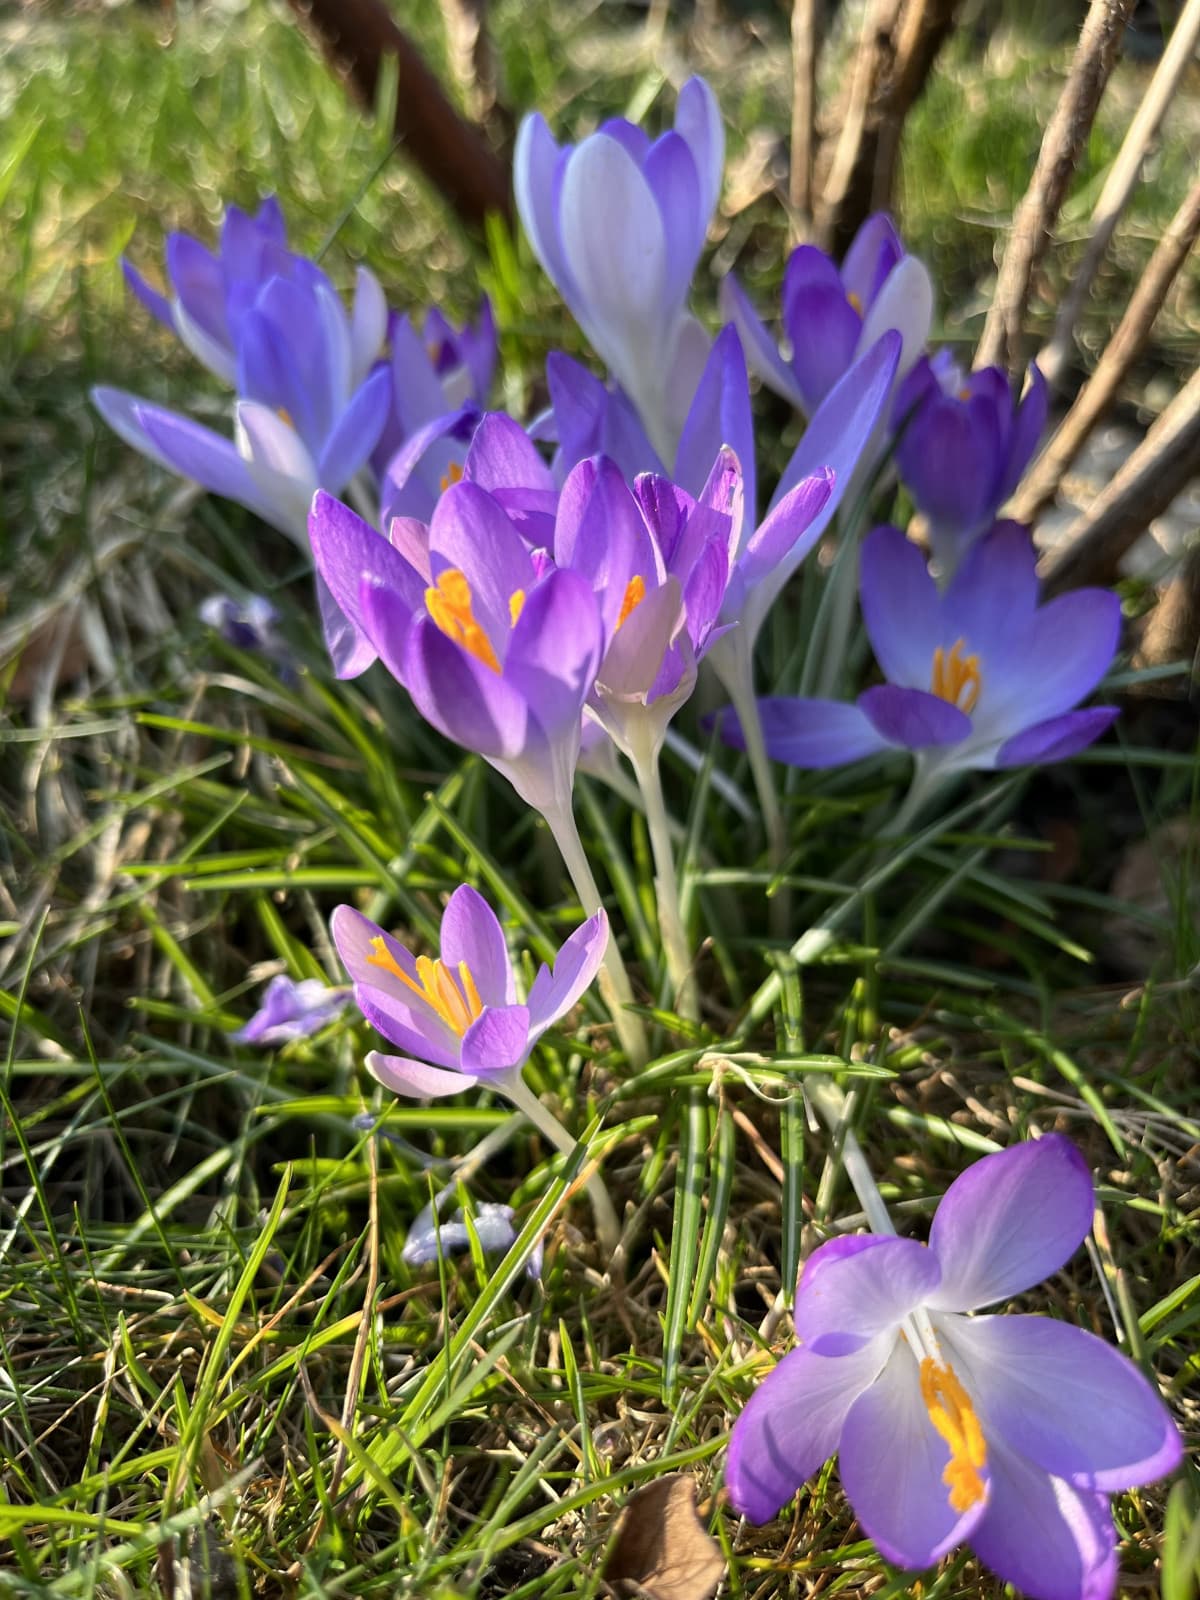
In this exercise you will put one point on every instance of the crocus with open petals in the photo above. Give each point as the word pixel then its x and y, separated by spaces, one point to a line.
pixel 1008 1432
pixel 978 676
pixel 457 1016
pixel 964 447
pixel 832 316
pixel 618 223
pixel 292 1009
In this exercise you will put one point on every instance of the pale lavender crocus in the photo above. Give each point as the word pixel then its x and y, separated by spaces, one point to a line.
pixel 251 624
pixel 493 1224
pixel 1009 1432
pixel 618 223
pixel 978 676
pixel 313 394
pixel 833 315
pixel 292 1009
pixel 964 446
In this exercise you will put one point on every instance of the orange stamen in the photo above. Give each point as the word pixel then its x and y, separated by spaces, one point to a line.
pixel 953 1416
pixel 956 678
pixel 456 1003
pixel 449 604
pixel 452 474
pixel 516 604
pixel 855 301
pixel 635 593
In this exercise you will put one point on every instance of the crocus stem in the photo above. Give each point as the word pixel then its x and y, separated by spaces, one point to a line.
pixel 919 790
pixel 844 583
pixel 648 773
pixel 837 1108
pixel 739 681
pixel 608 1229
pixel 613 978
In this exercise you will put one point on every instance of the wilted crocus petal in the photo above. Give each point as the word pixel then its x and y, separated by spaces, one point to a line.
pixel 494 1228
pixel 292 1010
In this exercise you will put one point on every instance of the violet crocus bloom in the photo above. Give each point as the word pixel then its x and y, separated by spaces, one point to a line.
pixel 457 1017
pixel 964 447
pixel 977 676
pixel 618 223
pixel 292 1010
pixel 1009 1432
pixel 248 625
pixel 313 395
pixel 493 1226
pixel 832 316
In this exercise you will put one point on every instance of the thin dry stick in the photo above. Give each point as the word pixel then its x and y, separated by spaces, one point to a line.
pixel 923 28
pixel 1122 351
pixel 804 111
pixel 1120 183
pixel 871 60
pixel 1057 159
pixel 1173 630
pixel 1159 469
pixel 363 1338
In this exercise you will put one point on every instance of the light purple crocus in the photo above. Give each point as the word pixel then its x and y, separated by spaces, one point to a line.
pixel 494 1228
pixel 1008 1432
pixel 618 223
pixel 978 676
pixel 457 1017
pixel 292 1010
pixel 250 624
pixel 964 446
pixel 313 395
pixel 832 316
pixel 497 647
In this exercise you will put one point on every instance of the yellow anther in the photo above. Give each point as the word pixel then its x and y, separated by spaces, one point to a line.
pixel 855 301
pixel 635 593
pixel 449 604
pixel 456 1003
pixel 956 678
pixel 452 474
pixel 953 1417
pixel 284 415
pixel 516 604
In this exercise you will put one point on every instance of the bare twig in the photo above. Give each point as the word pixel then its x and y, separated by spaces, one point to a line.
pixel 1121 352
pixel 357 35
pixel 1173 631
pixel 1064 140
pixel 1120 183
pixel 804 110
pixel 923 29
pixel 1160 468
pixel 872 60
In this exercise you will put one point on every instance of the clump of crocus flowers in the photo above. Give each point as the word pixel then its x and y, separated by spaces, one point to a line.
pixel 550 591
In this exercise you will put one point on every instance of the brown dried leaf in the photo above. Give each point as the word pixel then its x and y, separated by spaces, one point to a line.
pixel 662 1550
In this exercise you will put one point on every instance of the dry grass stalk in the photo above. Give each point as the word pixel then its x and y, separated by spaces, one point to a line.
pixel 872 60
pixel 1160 468
pixel 1173 630
pixel 804 111
pixel 1121 181
pixel 1062 144
pixel 923 28
pixel 1120 353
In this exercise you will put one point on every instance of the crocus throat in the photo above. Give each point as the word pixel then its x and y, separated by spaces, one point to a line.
pixel 455 1000
pixel 452 474
pixel 449 604
pixel 635 593
pixel 950 1411
pixel 955 678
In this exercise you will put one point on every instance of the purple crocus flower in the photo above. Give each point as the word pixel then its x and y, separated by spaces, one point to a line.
pixel 248 625
pixel 977 676
pixel 964 447
pixel 312 395
pixel 832 316
pixel 292 1010
pixel 618 223
pixel 458 1017
pixel 1009 1432
pixel 493 1226
pixel 497 647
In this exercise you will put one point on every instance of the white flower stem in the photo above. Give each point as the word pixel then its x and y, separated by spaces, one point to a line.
pixel 608 1229
pixel 837 1108
pixel 648 773
pixel 921 787
pixel 739 681
pixel 613 978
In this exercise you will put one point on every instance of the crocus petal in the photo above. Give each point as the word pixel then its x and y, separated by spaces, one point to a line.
pixel 809 733
pixel 698 119
pixel 347 551
pixel 416 1079
pixel 719 415
pixel 1050 1540
pixel 496 1042
pixel 368 323
pixel 762 353
pixel 357 430
pixel 635 656
pixel 502 456
pixel 554 653
pixel 199 286
pixel 788 530
pixel 616 252
pixel 461 696
pixel 846 1298
pixel 1066 1400
pixel 417 391
pixel 914 717
pixel 199 453
pixel 1057 739
pixel 120 410
pixel 947 456
pixel 536 168
pixel 875 251
pixel 822 326
pixel 388 1004
pixel 991 599
pixel 1028 425
pixel 156 304
pixel 900 607
pixel 592 419
pixel 1009 1221
pixel 905 303
pixel 415 472
pixel 891 1462
pixel 791 1425
pixel 1060 658
pixel 471 932
pixel 470 532
pixel 670 170
pixel 576 964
